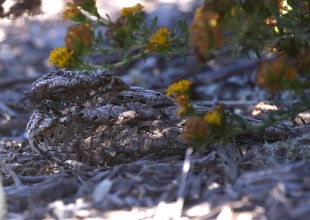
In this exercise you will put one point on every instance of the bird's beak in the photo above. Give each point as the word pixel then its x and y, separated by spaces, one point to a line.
pixel 27 100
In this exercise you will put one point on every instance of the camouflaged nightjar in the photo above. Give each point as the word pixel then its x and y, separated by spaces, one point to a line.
pixel 95 118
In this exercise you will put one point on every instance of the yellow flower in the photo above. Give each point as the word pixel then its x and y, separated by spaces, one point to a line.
pixel 159 40
pixel 71 12
pixel 276 74
pixel 195 130
pixel 60 57
pixel 205 33
pixel 129 11
pixel 198 13
pixel 213 118
pixel 80 34
pixel 179 88
pixel 180 91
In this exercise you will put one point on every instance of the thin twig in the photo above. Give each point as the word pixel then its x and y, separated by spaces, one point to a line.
pixel 215 211
pixel 11 82
pixel 226 71
pixel 180 201
pixel 7 110
pixel 227 102
pixel 13 124
pixel 9 170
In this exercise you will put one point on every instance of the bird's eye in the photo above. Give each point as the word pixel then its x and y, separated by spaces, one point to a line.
pixel 59 93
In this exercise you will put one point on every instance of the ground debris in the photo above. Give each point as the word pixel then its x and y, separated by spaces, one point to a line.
pixel 147 189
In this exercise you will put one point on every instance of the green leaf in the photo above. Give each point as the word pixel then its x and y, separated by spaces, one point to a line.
pixel 154 24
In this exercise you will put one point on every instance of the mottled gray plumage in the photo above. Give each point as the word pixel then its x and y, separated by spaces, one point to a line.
pixel 95 118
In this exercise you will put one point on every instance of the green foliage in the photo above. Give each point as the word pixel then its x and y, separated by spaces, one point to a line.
pixel 277 29
pixel 266 26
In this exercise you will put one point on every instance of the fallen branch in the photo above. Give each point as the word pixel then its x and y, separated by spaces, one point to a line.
pixel 218 74
pixel 11 82
pixel 14 124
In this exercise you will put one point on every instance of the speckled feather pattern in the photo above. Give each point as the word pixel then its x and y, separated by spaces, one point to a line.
pixel 95 118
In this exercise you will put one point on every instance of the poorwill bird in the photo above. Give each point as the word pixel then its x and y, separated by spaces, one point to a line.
pixel 95 118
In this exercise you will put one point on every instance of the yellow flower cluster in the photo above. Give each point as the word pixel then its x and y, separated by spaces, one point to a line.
pixel 129 11
pixel 205 31
pixel 195 130
pixel 159 39
pixel 60 57
pixel 71 12
pixel 179 88
pixel 79 34
pixel 277 74
pixel 180 91
pixel 205 129
pixel 213 118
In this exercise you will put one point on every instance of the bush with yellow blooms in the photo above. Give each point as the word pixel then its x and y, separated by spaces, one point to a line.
pixel 276 29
